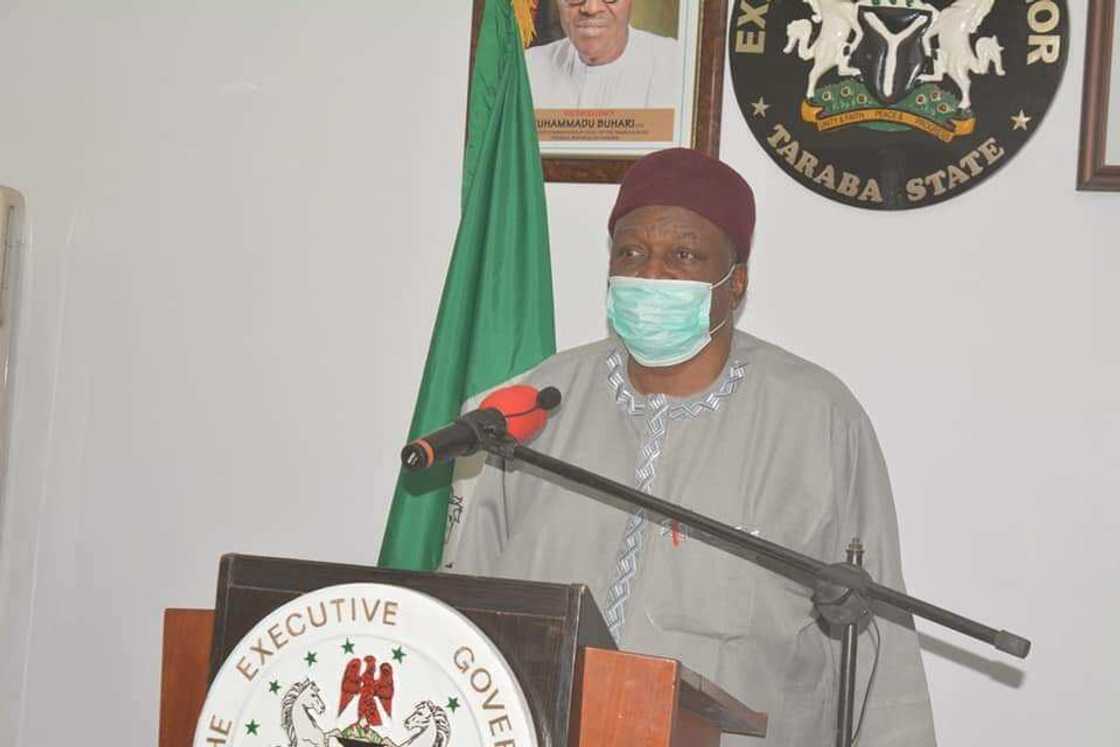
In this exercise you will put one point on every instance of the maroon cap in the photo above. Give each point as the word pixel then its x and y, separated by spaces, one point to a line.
pixel 682 177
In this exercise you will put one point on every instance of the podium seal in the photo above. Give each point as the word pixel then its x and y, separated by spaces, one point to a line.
pixel 365 664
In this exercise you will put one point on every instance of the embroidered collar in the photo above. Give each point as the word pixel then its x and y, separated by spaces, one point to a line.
pixel 633 403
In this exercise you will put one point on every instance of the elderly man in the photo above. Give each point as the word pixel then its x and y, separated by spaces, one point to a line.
pixel 602 62
pixel 680 404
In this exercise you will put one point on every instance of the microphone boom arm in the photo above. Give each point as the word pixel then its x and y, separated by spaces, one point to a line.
pixel 770 555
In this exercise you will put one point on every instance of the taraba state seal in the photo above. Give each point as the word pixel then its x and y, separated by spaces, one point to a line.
pixel 895 104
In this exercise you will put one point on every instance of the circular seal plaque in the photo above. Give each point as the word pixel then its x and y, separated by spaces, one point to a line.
pixel 365 664
pixel 895 104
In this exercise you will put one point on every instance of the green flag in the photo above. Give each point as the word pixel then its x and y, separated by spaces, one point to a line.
pixel 495 317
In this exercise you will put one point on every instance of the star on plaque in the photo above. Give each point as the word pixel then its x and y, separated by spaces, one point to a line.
pixel 311 658
pixel 1019 121
pixel 760 107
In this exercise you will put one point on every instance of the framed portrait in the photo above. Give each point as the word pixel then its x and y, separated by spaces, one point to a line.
pixel 613 80
pixel 1098 166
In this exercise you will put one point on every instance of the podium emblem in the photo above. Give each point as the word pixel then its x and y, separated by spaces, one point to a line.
pixel 365 664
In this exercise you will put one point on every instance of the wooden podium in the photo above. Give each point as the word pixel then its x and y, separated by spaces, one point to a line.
pixel 580 690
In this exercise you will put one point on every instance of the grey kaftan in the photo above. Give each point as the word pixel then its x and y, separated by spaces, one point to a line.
pixel 775 446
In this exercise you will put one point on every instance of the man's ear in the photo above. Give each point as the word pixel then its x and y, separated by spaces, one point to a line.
pixel 739 277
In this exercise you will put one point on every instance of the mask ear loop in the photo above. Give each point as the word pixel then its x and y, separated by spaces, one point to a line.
pixel 725 277
pixel 719 326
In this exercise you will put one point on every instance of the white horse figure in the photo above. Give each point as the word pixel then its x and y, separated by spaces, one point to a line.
pixel 954 26
pixel 838 19
pixel 300 710
pixel 302 706
pixel 427 715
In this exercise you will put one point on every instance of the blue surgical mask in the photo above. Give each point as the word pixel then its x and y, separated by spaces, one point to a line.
pixel 662 322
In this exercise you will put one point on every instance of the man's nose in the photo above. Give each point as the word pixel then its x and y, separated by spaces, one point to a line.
pixel 591 7
pixel 653 269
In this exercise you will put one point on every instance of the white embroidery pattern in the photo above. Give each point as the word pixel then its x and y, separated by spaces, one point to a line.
pixel 658 409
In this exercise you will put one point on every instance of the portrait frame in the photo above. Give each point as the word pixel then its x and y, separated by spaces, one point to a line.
pixel 707 62
pixel 1093 170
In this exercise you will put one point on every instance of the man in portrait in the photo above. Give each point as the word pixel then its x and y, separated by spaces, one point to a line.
pixel 603 62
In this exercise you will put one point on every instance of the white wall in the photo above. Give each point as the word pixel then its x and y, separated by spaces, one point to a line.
pixel 240 215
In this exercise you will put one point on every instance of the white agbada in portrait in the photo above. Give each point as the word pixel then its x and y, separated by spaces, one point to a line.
pixel 647 75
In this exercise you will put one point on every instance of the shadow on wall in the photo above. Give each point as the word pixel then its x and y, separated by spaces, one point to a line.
pixel 998 670
pixel 11 231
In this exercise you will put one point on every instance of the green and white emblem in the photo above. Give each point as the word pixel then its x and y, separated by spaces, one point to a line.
pixel 365 664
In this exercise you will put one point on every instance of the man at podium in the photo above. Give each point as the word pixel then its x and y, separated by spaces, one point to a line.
pixel 680 404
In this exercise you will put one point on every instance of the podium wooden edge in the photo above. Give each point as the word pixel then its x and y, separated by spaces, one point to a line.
pixel 631 692
pixel 711 702
pixel 184 677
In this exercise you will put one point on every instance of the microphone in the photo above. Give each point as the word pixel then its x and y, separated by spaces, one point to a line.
pixel 519 411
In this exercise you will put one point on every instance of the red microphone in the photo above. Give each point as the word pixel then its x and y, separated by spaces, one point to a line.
pixel 525 417
pixel 519 411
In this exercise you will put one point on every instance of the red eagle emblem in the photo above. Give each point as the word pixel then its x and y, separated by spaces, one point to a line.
pixel 372 689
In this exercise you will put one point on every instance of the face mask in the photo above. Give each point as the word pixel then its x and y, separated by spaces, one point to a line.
pixel 662 322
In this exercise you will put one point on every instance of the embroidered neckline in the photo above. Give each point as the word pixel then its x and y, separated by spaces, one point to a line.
pixel 632 403
pixel 657 408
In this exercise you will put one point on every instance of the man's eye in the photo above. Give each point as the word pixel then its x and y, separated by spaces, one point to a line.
pixel 686 255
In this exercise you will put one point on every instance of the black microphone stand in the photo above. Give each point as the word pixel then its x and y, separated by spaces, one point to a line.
pixel 843 592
